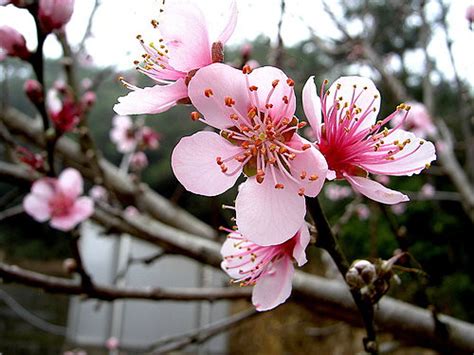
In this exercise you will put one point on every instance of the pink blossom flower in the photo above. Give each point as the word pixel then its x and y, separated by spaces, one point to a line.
pixel 98 193
pixel 254 111
pixel 123 134
pixel 59 201
pixel 34 91
pixel 149 138
pixel 362 211
pixel 112 343
pixel 54 14
pixel 337 192
pixel 269 268
pixel 138 161
pixel 427 191
pixel 354 144
pixel 12 43
pixel 470 13
pixel 418 121
pixel 172 62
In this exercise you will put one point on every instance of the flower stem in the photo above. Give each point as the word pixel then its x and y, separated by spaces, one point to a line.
pixel 327 240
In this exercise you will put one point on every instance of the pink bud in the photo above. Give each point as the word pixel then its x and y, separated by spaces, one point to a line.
pixel 112 343
pixel 139 161
pixel 470 13
pixel 131 211
pixel 88 99
pixel 54 14
pixel 34 91
pixel 67 118
pixel 12 43
pixel 149 138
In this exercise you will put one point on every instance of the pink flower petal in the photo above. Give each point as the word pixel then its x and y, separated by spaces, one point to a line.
pixel 150 100
pixel 312 106
pixel 412 159
pixel 233 266
pixel 376 191
pixel 368 99
pixel 223 81
pixel 194 163
pixel 184 28
pixel 231 23
pixel 37 207
pixel 263 78
pixel 70 183
pixel 43 188
pixel 63 223
pixel 274 288
pixel 83 208
pixel 311 162
pixel 303 237
pixel 266 215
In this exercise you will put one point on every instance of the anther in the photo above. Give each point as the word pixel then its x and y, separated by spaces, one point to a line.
pixel 229 101
pixel 219 160
pixel 306 146
pixel 246 69
pixel 313 177
pixel 275 83
pixel 154 23
pixel 279 186
pixel 301 191
pixel 303 175
pixel 195 115
pixel 302 124
pixel 290 82
pixel 208 92
pixel 253 88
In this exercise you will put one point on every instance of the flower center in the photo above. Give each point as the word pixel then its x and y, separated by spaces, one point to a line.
pixel 60 205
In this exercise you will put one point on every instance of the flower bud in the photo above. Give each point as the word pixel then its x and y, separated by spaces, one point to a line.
pixel 69 265
pixel 12 43
pixel 139 161
pixel 470 13
pixel 88 99
pixel 54 14
pixel 34 91
pixel 362 273
pixel 149 138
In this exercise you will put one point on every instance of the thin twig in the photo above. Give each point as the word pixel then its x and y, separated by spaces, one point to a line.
pixel 201 335
pixel 11 212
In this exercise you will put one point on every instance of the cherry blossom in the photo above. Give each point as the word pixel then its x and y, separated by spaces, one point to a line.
pixel 269 268
pixel 354 144
pixel 123 134
pixel 172 61
pixel 418 121
pixel 54 14
pixel 59 200
pixel 12 43
pixel 254 111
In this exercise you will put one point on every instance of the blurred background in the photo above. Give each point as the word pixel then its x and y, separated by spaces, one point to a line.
pixel 413 50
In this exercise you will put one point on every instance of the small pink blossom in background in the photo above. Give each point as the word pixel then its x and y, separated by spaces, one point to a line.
pixel 418 121
pixel 12 43
pixel 354 144
pixel 54 14
pixel 399 208
pixel 337 192
pixel 131 211
pixel 149 138
pixel 34 91
pixel 86 83
pixel 88 99
pixel 427 191
pixel 383 179
pixel 35 161
pixel 123 134
pixel 98 193
pixel 270 269
pixel 362 211
pixel 175 58
pixel 138 161
pixel 255 112
pixel 59 200
pixel 67 118
pixel 112 343
pixel 470 13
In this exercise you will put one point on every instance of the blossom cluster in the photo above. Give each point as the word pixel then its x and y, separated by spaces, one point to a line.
pixel 254 133
pixel 252 137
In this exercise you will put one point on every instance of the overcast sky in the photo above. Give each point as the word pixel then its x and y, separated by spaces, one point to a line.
pixel 117 22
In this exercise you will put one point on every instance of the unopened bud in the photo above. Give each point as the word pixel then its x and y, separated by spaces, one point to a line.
pixel 12 43
pixel 88 99
pixel 361 273
pixel 34 91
